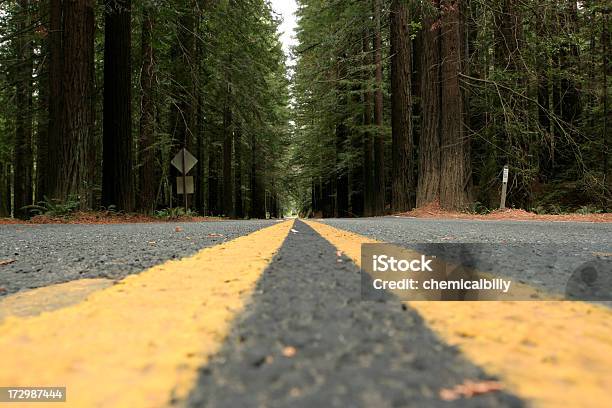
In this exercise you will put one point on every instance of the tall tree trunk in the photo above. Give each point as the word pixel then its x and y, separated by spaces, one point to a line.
pixel 402 184
pixel 22 188
pixel 147 180
pixel 213 175
pixel 368 140
pixel 379 141
pixel 273 201
pixel 202 155
pixel 56 58
pixel 455 157
pixel 341 133
pixel 356 166
pixel 605 43
pixel 5 189
pixel 258 202
pixel 228 192
pixel 42 130
pixel 238 207
pixel 77 105
pixel 117 175
pixel 42 140
pixel 428 189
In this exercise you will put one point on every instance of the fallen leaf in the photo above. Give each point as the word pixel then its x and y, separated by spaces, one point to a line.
pixel 151 242
pixel 3 290
pixel 178 229
pixel 289 351
pixel 6 261
pixel 214 234
pixel 469 389
pixel 294 231
pixel 338 253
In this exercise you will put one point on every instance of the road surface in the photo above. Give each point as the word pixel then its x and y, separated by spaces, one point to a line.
pixel 266 313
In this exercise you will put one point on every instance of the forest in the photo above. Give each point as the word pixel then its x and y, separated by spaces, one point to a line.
pixel 388 105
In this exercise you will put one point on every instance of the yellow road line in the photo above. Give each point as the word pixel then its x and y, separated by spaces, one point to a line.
pixel 140 342
pixel 34 302
pixel 554 353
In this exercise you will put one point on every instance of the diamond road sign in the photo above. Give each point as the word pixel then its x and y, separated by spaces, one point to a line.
pixel 189 161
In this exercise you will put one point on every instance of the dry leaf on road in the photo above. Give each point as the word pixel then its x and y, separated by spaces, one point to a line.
pixel 469 389
pixel 6 261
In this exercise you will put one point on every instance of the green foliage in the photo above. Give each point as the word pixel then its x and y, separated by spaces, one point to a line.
pixel 478 208
pixel 589 209
pixel 54 207
pixel 175 213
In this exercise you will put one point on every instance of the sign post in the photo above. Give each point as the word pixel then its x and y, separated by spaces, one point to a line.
pixel 184 161
pixel 502 205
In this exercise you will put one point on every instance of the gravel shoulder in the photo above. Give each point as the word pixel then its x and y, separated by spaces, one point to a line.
pixel 49 254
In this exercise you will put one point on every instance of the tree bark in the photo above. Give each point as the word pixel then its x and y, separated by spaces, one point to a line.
pixel 258 202
pixel 402 184
pixel 428 189
pixel 455 158
pixel 368 141
pixel 238 207
pixel 605 43
pixel 213 176
pixel 77 105
pixel 42 130
pixel 341 136
pixel 117 175
pixel 147 180
pixel 55 98
pixel 22 188
pixel 5 189
pixel 379 141
pixel 228 192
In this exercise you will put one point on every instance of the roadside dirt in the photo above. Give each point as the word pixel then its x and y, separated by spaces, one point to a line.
pixel 433 210
pixel 103 218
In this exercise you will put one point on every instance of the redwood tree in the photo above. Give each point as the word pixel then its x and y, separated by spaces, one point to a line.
pixel 402 183
pixel 23 124
pixel 146 179
pixel 455 157
pixel 428 189
pixel 117 177
pixel 379 141
pixel 77 118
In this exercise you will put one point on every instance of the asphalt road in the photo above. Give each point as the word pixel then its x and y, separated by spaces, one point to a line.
pixel 349 353
pixel 48 254
pixel 276 319
pixel 542 254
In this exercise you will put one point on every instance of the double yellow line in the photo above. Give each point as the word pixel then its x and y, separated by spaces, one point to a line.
pixel 140 342
pixel 553 353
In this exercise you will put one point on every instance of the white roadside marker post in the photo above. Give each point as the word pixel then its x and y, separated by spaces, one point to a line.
pixel 502 205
